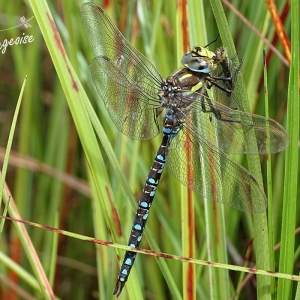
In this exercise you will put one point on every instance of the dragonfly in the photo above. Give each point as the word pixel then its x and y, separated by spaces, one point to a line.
pixel 197 130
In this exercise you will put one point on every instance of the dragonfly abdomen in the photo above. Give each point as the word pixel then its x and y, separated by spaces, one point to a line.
pixel 170 129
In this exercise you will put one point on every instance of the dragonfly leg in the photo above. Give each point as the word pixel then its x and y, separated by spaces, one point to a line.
pixel 228 78
pixel 213 81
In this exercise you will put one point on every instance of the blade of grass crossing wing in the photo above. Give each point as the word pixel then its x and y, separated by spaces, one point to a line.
pixel 260 220
pixel 269 185
pixel 286 263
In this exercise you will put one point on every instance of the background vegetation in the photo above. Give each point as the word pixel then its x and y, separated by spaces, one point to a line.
pixel 59 176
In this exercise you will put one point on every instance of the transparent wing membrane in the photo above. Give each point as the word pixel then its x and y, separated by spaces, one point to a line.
pixel 125 80
pixel 132 107
pixel 199 165
pixel 236 131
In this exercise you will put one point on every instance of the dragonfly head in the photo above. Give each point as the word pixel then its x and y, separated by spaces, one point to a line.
pixel 199 60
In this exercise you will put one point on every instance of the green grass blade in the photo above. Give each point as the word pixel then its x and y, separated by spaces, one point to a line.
pixel 260 221
pixel 42 280
pixel 77 98
pixel 8 147
pixel 290 197
pixel 269 185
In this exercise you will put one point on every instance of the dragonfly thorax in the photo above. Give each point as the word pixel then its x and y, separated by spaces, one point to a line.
pixel 178 90
pixel 186 80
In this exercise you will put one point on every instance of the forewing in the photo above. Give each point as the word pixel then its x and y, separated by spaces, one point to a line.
pixel 248 133
pixel 106 40
pixel 126 81
pixel 238 131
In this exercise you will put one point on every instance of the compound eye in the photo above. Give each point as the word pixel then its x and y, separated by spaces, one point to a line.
pixel 198 65
pixel 186 58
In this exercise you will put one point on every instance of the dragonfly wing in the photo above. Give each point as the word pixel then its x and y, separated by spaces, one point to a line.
pixel 106 40
pixel 131 106
pixel 200 166
pixel 126 81
pixel 238 131
pixel 249 133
